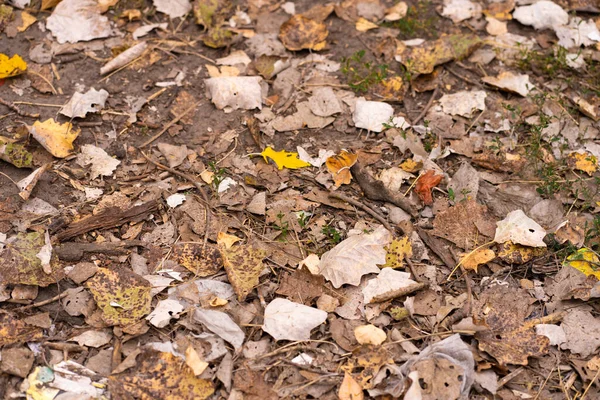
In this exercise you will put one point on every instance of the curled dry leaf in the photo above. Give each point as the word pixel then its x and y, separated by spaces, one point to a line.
pixel 426 182
pixel 339 167
pixel 286 320
pixel 14 330
pixel 350 389
pixel 300 32
pixel 471 261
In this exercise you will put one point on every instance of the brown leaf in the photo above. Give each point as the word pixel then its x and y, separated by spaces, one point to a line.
pixel 467 224
pixel 253 384
pixel 200 260
pixel 510 339
pixel 426 182
pixel 365 363
pixel 301 286
pixel 339 167
pixel 243 265
pixel 299 33
pixel 13 330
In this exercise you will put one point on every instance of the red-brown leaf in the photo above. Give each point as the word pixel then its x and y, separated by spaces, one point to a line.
pixel 426 182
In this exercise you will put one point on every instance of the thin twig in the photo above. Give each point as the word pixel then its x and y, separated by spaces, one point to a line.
pixel 51 300
pixel 30 71
pixel 170 124
pixel 543 384
pixel 427 106
pixel 18 110
pixel 194 182
pixel 363 207
pixel 456 74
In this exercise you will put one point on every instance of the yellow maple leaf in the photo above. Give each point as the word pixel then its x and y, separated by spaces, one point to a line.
pixel 473 260
pixel 11 66
pixel 55 137
pixel 586 261
pixel 284 159
pixel 584 162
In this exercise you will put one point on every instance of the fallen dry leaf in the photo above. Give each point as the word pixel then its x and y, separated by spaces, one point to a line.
pixel 520 229
pixel 14 330
pixel 243 265
pixel 365 363
pixel 300 32
pixel 583 162
pixel 199 259
pixel 350 389
pixel 55 137
pixel 284 159
pixel 425 184
pixel 586 261
pixel 286 320
pixel 471 261
pixel 397 251
pixel 369 334
pixel 12 66
pixel 339 167
pixel 518 254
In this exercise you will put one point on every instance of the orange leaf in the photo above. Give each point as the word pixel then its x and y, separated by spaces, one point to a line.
pixel 426 182
pixel 339 166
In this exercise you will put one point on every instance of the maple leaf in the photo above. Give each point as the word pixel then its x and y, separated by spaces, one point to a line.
pixel 339 167
pixel 284 159
pixel 356 256
pixel 426 182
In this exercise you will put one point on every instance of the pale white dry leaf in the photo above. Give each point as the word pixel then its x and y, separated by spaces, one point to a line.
pixel 520 229
pixel 175 155
pixel 165 311
pixel 388 281
pixel 496 27
pixel 394 177
pixel 173 8
pixel 311 262
pixel 369 334
pixel 396 12
pixel 92 338
pixel 235 58
pixel 27 184
pixel 354 257
pixel 555 333
pixel 541 15
pixel 460 10
pixel 122 59
pixel 463 103
pixel 78 20
pixel 175 200
pixel 324 102
pixel 80 104
pixel 222 325
pixel 371 115
pixel 45 254
pixel 515 83
pixel 235 92
pixel 99 161
pixel 582 331
pixel 158 283
pixel 488 380
pixel 314 161
pixel 577 33
pixel 146 29
pixel 193 360
pixel 19 3
pixel 286 320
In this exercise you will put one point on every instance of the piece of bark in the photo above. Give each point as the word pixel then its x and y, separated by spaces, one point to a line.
pixel 108 218
pixel 438 246
pixel 376 190
pixel 74 251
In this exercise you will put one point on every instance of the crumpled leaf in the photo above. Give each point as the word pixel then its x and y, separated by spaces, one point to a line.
pixel 583 162
pixel 122 296
pixel 221 325
pixel 286 320
pixel 235 92
pixel 55 137
pixel 369 334
pixel 372 115
pixel 164 311
pixel 365 363
pixel 14 330
pixel 460 10
pixel 518 254
pixel 243 265
pixel 211 13
pixel 520 229
pixel 78 20
pixel 423 58
pixel 339 167
pixel 426 182
pixel 541 15
pixel 388 285
pixel 97 160
pixel 20 265
pixel 12 66
pixel 467 224
pixel 284 159
pixel 80 104
pixel 354 257
pixel 159 375
pixel 510 338
pixel 300 32
pixel 582 331
pixel 15 153
pixel 397 251
pixel 586 261
pixel 199 259
pixel 471 261
pixel 463 103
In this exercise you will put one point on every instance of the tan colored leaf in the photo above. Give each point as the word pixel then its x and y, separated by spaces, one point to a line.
pixel 55 137
pixel 365 363
pixel 20 265
pixel 467 224
pixel 350 389
pixel 339 167
pixel 364 25
pixel 13 330
pixel 158 375
pixel 122 296
pixel 243 265
pixel 300 32
pixel 199 259
pixel 369 334
pixel 471 261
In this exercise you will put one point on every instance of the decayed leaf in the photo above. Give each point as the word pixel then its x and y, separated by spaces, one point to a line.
pixel 583 162
pixel 199 259
pixel 159 375
pixel 542 15
pixel 78 20
pixel 210 13
pixel 15 153
pixel 243 265
pixel 423 58
pixel 20 265
pixel 372 115
pixel 286 320
pixel 12 66
pixel 354 257
pixel 350 389
pixel 388 285
pixel 471 261
pixel 510 338
pixel 55 137
pixel 235 92
pixel 510 82
pixel 122 296
pixel 284 159
pixel 518 254
pixel 80 104
pixel 339 167
pixel 27 184
pixel 365 363
pixel 460 10
pixel 13 330
pixel 98 160
pixel 164 311
pixel 396 12
pixel 397 251
pixel 426 182
pixel 586 261
pixel 463 103
pixel 582 331
pixel 369 334
pixel 520 229
pixel 222 325
pixel 300 32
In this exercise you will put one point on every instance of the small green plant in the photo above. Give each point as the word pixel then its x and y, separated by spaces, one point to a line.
pixel 451 194
pixel 332 234
pixel 592 233
pixel 303 218
pixel 282 226
pixel 218 174
pixel 361 74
